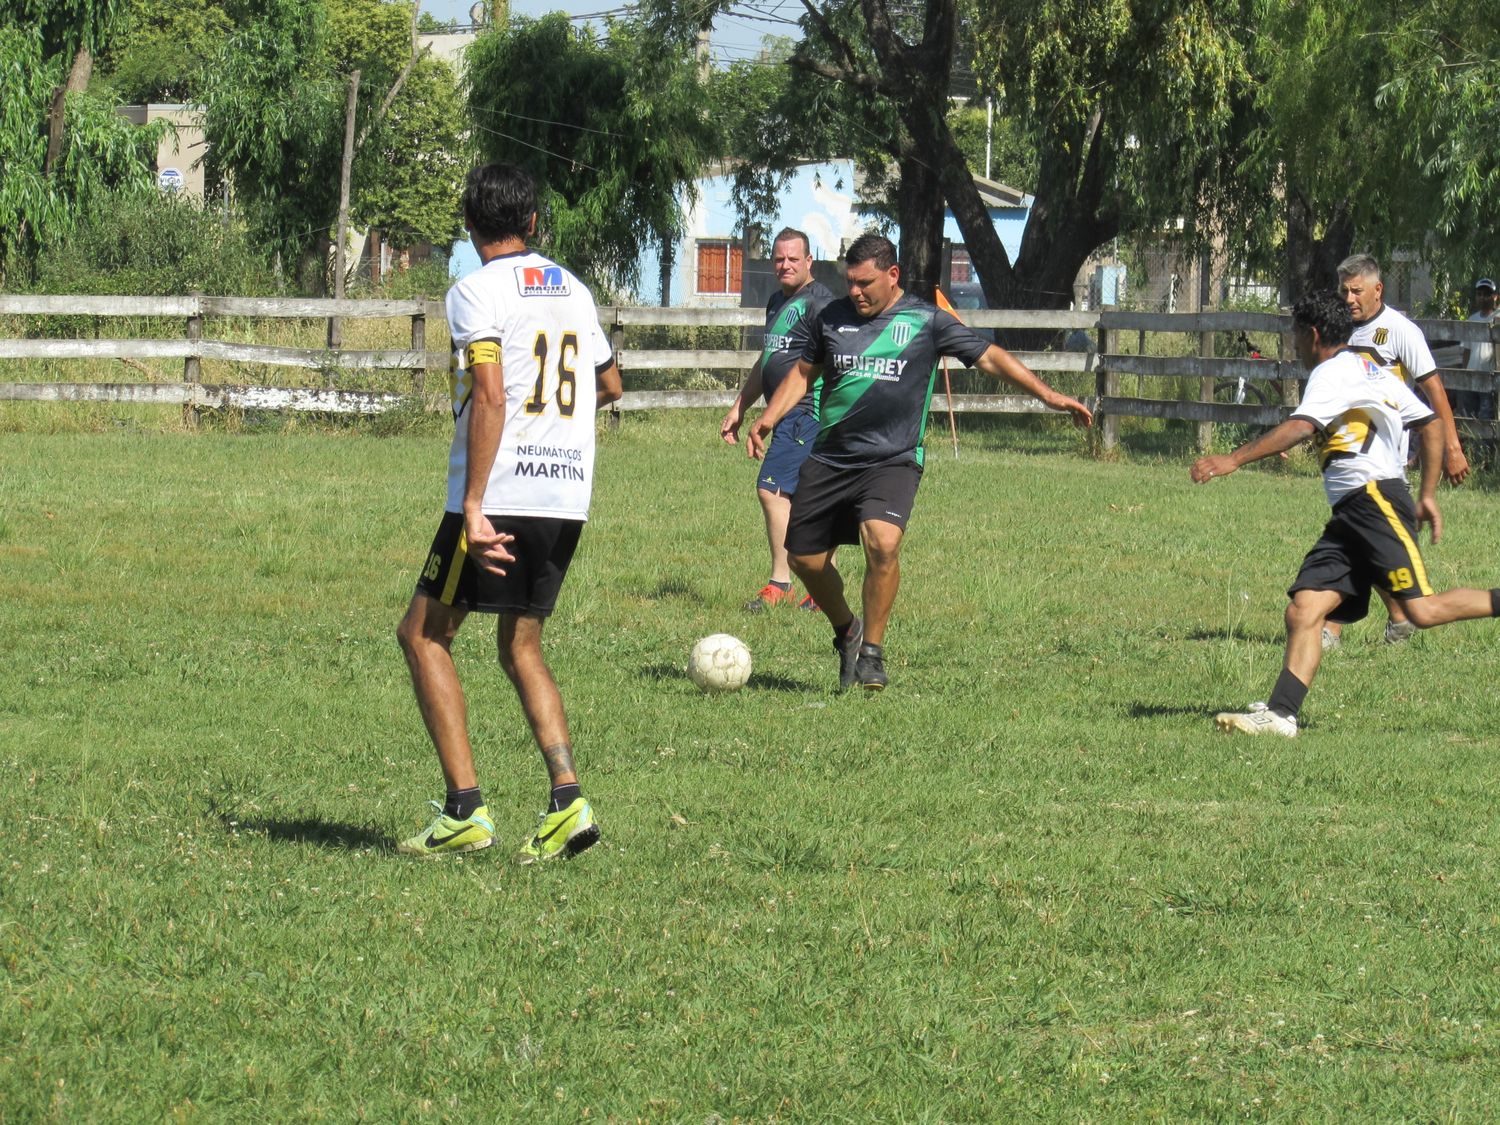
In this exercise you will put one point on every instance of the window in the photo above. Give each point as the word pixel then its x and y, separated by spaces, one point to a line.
pixel 719 264
pixel 961 270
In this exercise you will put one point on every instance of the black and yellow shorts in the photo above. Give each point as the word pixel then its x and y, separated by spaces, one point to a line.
pixel 1370 540
pixel 543 549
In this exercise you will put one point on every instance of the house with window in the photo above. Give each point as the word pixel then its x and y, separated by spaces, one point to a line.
pixel 720 263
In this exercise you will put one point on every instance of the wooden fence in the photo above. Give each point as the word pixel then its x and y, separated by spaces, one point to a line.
pixel 1252 385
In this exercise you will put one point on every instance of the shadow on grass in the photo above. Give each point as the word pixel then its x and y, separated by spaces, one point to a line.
pixel 1160 711
pixel 759 681
pixel 1236 635
pixel 309 830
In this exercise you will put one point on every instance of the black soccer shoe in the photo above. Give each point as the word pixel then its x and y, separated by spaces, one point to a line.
pixel 869 668
pixel 848 651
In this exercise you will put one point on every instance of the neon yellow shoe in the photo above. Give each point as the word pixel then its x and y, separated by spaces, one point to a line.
pixel 564 834
pixel 446 836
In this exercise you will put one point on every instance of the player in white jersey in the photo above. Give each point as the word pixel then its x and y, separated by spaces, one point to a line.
pixel 1390 339
pixel 1358 413
pixel 530 367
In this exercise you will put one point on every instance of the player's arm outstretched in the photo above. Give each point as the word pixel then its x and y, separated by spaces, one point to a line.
pixel 1292 432
pixel 998 362
pixel 486 409
pixel 729 428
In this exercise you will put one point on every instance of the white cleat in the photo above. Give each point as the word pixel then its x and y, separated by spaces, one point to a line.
pixel 1398 631
pixel 1332 640
pixel 1260 719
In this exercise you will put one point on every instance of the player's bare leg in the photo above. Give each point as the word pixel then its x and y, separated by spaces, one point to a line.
pixel 567 827
pixel 426 636
pixel 824 582
pixel 882 543
pixel 777 507
pixel 520 649
pixel 1451 605
pixel 1306 615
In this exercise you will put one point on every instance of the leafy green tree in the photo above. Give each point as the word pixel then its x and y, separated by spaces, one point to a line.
pixel 615 131
pixel 273 120
pixel 164 50
pixel 409 179
pixel 1444 71
pixel 275 124
pixel 1097 90
pixel 98 155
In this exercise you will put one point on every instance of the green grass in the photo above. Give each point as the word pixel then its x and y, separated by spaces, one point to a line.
pixel 1028 882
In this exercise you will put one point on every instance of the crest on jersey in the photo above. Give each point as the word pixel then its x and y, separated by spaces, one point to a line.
pixel 901 333
pixel 542 281
pixel 1382 335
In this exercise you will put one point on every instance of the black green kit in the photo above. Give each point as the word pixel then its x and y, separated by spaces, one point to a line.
pixel 878 376
pixel 787 320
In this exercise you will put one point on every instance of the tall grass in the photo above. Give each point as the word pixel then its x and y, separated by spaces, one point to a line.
pixel 1028 881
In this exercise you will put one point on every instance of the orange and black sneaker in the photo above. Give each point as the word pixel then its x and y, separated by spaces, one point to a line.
pixel 808 604
pixel 770 595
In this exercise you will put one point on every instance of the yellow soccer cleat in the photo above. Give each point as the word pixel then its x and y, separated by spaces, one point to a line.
pixel 562 834
pixel 446 836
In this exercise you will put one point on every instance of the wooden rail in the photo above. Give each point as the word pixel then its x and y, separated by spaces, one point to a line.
pixel 1105 360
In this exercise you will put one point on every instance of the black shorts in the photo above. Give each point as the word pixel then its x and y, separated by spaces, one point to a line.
pixel 1370 540
pixel 831 503
pixel 543 549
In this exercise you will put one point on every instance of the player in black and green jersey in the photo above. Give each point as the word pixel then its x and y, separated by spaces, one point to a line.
pixel 877 353
pixel 794 303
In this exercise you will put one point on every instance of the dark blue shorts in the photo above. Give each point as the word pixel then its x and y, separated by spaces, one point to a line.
pixel 791 442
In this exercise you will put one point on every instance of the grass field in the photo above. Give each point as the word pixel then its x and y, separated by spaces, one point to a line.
pixel 1029 881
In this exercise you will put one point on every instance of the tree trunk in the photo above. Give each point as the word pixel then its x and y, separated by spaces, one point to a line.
pixel 1312 260
pixel 919 204
pixel 78 81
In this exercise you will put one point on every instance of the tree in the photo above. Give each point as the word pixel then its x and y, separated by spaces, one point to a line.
pixel 275 122
pixel 50 179
pixel 1099 90
pixel 272 120
pixel 1444 70
pixel 615 132
pixel 165 48
pixel 409 180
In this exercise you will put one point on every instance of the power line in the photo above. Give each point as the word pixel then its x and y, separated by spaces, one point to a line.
pixel 539 148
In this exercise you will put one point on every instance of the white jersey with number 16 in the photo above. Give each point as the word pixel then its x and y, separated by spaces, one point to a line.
pixel 537 321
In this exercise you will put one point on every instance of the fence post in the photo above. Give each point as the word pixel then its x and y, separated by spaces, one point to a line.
pixel 1106 385
pixel 192 364
pixel 616 342
pixel 1205 391
pixel 419 345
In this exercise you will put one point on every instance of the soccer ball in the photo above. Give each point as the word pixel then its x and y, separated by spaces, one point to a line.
pixel 719 663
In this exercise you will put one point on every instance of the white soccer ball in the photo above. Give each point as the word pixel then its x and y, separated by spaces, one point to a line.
pixel 719 663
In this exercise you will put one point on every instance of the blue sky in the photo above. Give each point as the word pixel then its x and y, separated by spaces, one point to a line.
pixel 737 35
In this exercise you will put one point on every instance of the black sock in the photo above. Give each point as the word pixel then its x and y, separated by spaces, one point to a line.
pixel 1288 694
pixel 1495 602
pixel 841 632
pixel 461 803
pixel 564 795
pixel 782 586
